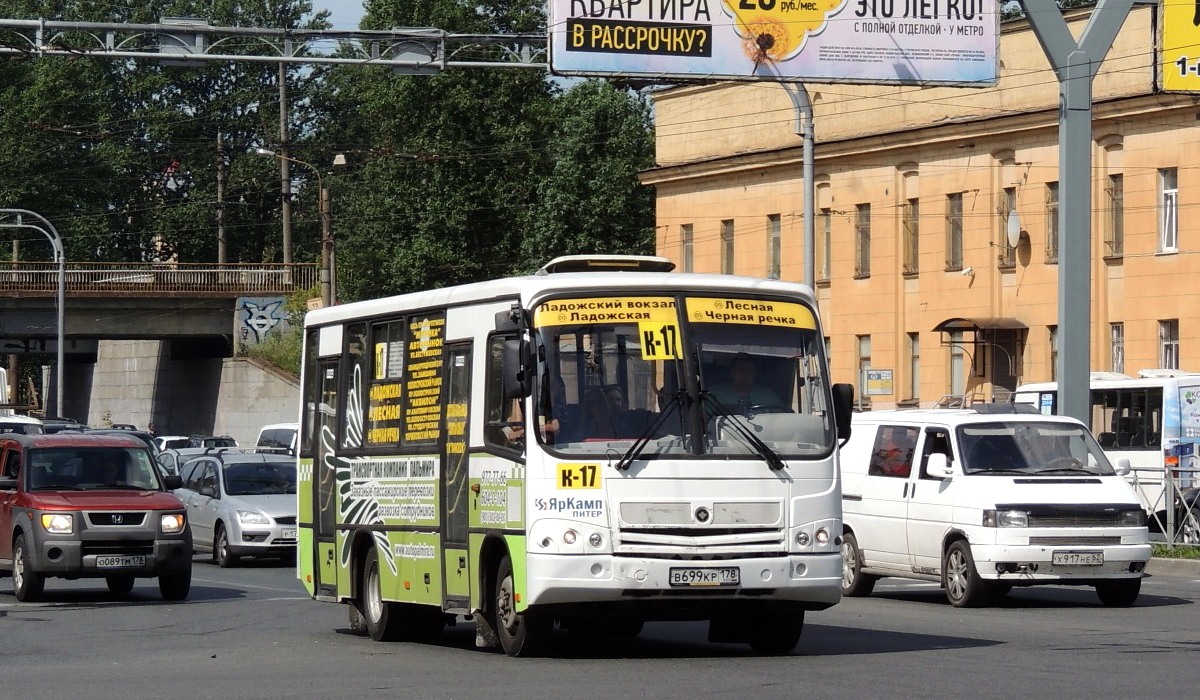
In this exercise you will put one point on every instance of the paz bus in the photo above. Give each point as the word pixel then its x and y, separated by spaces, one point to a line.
pixel 547 455
pixel 1152 422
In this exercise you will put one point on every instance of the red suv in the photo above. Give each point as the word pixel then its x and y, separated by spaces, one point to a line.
pixel 90 506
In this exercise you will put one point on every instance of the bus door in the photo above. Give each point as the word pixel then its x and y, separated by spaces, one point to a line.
pixel 325 478
pixel 455 472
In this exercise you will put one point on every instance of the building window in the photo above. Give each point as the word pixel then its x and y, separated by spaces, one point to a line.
pixel 864 364
pixel 727 247
pixel 954 242
pixel 862 241
pixel 1051 222
pixel 1116 335
pixel 685 235
pixel 774 245
pixel 1168 344
pixel 1053 332
pixel 1168 210
pixel 824 239
pixel 1008 207
pixel 914 365
pixel 1114 230
pixel 912 236
pixel 958 381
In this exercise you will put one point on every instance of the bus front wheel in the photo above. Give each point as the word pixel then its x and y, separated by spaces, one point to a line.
pixel 521 633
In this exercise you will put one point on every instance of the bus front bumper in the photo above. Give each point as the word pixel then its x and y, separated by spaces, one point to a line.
pixel 813 580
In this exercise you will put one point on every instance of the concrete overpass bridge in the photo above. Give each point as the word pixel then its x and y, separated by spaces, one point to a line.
pixel 197 313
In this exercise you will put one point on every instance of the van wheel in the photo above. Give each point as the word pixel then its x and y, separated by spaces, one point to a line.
pixel 963 586
pixel 1119 593
pixel 27 584
pixel 854 582
pixel 521 633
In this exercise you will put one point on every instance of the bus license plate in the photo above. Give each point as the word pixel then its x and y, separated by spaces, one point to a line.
pixel 1078 558
pixel 126 562
pixel 705 576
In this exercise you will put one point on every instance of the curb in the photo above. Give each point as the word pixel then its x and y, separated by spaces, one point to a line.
pixel 1163 565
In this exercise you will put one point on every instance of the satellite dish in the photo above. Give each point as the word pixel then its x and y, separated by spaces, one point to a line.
pixel 1014 229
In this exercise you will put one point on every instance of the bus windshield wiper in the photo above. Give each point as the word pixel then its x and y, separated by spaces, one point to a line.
pixel 763 449
pixel 644 439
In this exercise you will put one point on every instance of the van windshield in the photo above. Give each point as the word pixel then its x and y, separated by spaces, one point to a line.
pixel 1031 448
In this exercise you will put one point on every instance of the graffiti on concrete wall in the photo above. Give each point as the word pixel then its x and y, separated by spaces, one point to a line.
pixel 258 317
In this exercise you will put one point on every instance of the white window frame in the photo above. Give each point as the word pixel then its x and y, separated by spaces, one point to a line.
pixel 1168 210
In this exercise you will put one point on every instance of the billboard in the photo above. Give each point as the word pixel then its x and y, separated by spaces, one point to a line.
pixel 1179 60
pixel 948 42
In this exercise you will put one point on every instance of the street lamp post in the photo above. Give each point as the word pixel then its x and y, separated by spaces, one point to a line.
pixel 47 229
pixel 324 205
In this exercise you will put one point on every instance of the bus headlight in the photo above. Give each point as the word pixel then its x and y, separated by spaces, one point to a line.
pixel 822 537
pixel 58 523
pixel 802 538
pixel 596 539
pixel 570 536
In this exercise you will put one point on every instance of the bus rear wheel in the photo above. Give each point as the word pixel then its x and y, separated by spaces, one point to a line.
pixel 521 633
pixel 382 623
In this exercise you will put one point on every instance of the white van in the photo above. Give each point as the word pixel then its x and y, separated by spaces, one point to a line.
pixel 984 499
pixel 278 438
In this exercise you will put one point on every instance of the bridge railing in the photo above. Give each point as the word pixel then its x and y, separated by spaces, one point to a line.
pixel 157 278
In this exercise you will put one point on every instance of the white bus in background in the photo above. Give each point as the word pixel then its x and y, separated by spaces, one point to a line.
pixel 1153 421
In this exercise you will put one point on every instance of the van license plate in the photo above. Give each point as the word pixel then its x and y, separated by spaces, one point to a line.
pixel 705 576
pixel 1078 558
pixel 126 562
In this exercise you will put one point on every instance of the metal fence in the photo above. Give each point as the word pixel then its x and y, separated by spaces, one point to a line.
pixel 157 278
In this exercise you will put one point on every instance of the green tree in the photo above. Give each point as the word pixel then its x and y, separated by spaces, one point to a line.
pixel 476 173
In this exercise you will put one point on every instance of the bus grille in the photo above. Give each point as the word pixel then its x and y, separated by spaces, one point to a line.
pixel 672 530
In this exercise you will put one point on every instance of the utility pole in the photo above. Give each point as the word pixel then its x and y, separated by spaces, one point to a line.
pixel 285 173
pixel 326 272
pixel 1075 64
pixel 222 252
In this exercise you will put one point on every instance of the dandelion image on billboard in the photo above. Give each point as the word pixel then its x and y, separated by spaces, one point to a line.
pixel 775 30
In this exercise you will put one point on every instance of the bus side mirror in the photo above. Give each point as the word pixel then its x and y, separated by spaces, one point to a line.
pixel 843 403
pixel 1124 467
pixel 517 367
pixel 938 466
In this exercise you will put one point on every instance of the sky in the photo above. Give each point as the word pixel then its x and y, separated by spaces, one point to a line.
pixel 345 14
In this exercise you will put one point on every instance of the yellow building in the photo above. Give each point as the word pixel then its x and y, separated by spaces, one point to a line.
pixel 914 187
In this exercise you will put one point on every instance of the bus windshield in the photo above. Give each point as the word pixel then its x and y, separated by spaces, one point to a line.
pixel 733 378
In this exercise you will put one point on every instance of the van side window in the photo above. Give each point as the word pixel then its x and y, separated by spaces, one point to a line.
pixel 892 454
pixel 937 440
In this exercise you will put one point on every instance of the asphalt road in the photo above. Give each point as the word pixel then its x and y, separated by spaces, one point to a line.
pixel 252 632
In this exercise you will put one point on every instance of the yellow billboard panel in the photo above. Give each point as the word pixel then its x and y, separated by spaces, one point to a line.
pixel 1179 63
